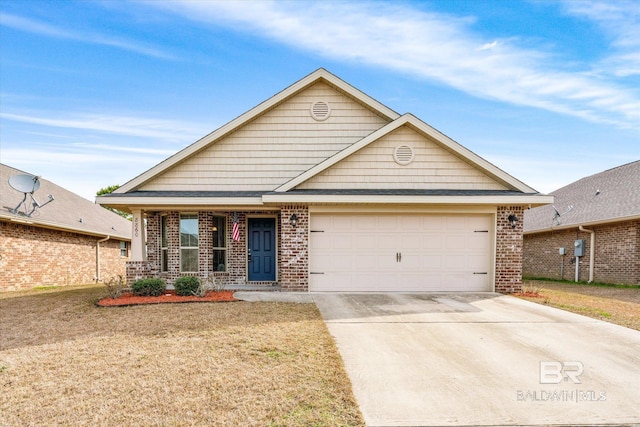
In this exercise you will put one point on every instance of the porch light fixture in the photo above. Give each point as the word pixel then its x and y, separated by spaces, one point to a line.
pixel 513 220
pixel 294 220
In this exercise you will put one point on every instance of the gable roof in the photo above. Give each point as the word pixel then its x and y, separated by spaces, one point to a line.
pixel 417 124
pixel 319 75
pixel 64 213
pixel 609 196
pixel 206 174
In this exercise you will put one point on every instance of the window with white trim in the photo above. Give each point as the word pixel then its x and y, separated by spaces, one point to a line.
pixel 219 229
pixel 123 248
pixel 189 243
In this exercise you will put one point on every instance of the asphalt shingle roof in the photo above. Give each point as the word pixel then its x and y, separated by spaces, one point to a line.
pixel 608 196
pixel 64 212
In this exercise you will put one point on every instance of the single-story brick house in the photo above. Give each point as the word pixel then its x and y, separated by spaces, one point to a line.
pixel 67 241
pixel 603 210
pixel 327 189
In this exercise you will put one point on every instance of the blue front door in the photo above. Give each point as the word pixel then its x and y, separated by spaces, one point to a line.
pixel 262 249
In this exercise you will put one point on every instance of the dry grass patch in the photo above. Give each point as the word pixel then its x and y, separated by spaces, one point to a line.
pixel 615 304
pixel 64 361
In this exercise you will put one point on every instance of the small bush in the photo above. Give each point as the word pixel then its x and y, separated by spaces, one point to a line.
pixel 115 285
pixel 148 287
pixel 215 285
pixel 187 285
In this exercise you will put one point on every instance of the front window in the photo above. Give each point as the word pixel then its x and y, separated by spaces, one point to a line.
pixel 219 229
pixel 123 249
pixel 189 243
pixel 164 244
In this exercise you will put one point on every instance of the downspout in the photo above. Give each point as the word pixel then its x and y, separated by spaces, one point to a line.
pixel 592 250
pixel 98 256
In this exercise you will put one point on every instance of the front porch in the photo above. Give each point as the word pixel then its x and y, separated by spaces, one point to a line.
pixel 244 250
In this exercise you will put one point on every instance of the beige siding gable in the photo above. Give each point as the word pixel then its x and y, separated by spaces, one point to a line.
pixel 374 167
pixel 275 147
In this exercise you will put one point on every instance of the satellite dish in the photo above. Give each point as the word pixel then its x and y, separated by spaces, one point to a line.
pixel 557 215
pixel 27 184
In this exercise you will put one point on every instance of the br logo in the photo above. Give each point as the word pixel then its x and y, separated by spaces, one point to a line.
pixel 556 372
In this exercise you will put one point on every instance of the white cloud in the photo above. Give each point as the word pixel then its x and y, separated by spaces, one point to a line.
pixel 44 29
pixel 429 45
pixel 488 46
pixel 620 20
pixel 75 167
pixel 167 130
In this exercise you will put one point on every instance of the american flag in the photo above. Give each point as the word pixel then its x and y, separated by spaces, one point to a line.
pixel 236 227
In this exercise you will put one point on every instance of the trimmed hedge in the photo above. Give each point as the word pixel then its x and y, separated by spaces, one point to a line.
pixel 153 287
pixel 187 285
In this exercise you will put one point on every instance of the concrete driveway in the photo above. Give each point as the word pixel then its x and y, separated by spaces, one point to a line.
pixel 482 359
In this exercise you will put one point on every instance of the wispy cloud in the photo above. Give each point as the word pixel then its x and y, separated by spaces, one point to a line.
pixel 166 130
pixel 620 20
pixel 48 30
pixel 429 45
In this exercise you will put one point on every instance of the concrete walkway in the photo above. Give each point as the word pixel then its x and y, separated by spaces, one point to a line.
pixel 480 359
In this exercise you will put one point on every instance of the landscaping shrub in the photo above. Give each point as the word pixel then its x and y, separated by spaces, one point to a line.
pixel 115 285
pixel 187 285
pixel 148 287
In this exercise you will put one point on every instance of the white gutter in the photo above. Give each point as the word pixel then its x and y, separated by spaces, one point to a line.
pixel 592 250
pixel 98 256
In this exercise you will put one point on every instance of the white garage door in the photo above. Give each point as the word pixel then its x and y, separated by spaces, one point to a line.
pixel 387 253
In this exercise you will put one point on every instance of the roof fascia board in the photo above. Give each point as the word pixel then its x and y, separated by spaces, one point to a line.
pixel 584 224
pixel 525 199
pixel 465 153
pixel 54 226
pixel 319 74
pixel 178 201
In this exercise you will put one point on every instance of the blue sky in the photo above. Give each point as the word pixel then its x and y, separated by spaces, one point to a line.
pixel 93 93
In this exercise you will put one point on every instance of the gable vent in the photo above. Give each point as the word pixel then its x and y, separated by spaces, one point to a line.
pixel 403 155
pixel 320 110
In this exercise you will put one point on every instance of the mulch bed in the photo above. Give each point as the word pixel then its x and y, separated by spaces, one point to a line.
pixel 528 295
pixel 167 297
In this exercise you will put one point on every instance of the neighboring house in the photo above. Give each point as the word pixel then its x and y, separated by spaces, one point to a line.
pixel 67 241
pixel 332 191
pixel 605 214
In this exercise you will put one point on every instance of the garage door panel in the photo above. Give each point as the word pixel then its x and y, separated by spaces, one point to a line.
pixel 410 241
pixel 455 242
pixel 438 252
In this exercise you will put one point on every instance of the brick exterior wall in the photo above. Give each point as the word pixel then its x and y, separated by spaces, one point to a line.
pixel 508 271
pixel 294 258
pixel 617 254
pixel 32 256
pixel 236 265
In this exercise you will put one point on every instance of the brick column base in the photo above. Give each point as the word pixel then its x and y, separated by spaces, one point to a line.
pixel 138 270
pixel 509 250
pixel 294 254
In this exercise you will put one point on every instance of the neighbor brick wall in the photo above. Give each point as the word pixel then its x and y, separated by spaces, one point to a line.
pixel 32 256
pixel 617 253
pixel 508 250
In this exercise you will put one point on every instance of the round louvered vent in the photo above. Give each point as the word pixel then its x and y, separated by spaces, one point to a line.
pixel 320 110
pixel 403 155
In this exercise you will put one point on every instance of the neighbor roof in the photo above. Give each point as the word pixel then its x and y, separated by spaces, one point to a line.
pixel 68 211
pixel 609 196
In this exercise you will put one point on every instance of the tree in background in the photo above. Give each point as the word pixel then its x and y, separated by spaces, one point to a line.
pixel 108 190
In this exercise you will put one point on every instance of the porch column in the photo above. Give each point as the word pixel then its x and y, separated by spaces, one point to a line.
pixel 138 252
